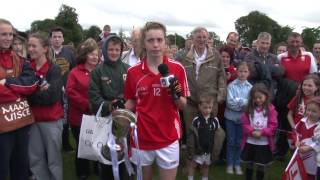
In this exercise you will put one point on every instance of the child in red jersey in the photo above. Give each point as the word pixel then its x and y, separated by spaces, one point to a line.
pixel 305 132
pixel 309 88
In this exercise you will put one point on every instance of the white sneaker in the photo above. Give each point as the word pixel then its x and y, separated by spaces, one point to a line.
pixel 230 170
pixel 238 170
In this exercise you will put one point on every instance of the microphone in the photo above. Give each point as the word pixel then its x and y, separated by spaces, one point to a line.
pixel 166 79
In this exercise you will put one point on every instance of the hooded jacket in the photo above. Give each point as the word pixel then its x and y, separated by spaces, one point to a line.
pixel 107 80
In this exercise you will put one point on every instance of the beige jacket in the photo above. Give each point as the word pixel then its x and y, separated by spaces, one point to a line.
pixel 211 78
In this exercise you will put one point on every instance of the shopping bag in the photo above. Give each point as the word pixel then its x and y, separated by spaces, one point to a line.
pixel 15 115
pixel 86 148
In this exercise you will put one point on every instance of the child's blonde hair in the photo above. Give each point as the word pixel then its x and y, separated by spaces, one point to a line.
pixel 315 100
pixel 205 99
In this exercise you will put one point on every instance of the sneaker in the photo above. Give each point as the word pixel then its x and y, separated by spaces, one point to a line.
pixel 229 169
pixel 238 170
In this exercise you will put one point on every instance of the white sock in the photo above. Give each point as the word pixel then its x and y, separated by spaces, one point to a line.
pixel 190 177
pixel 204 178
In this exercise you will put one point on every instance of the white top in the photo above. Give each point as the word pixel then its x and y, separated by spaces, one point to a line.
pixel 199 60
pixel 258 122
pixel 133 59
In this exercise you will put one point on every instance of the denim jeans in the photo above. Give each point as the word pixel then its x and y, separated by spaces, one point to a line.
pixel 234 137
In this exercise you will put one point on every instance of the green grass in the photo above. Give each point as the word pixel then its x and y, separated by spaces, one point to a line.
pixel 274 171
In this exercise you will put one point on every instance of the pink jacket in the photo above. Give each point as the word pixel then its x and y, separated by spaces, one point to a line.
pixel 269 131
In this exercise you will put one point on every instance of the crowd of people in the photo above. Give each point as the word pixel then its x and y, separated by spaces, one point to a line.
pixel 245 106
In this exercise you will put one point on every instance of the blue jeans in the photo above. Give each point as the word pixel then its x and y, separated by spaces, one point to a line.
pixel 234 137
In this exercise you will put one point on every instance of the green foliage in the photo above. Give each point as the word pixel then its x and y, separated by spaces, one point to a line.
pixel 310 35
pixel 282 34
pixel 217 43
pixel 44 25
pixel 255 22
pixel 92 32
pixel 248 27
pixel 67 18
pixel 176 39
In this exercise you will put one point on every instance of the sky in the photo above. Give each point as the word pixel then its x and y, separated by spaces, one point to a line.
pixel 180 16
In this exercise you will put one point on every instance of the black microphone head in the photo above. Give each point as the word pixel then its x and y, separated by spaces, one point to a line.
pixel 163 69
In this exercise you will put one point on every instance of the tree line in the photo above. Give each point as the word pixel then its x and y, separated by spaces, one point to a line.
pixel 248 28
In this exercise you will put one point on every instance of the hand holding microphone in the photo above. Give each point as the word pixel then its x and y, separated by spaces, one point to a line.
pixel 169 81
pixel 175 88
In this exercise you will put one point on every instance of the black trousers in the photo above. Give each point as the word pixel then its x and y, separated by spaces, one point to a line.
pixel 14 156
pixel 107 174
pixel 82 165
pixel 282 145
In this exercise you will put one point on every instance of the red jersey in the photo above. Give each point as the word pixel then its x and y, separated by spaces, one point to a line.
pixel 46 112
pixel 301 108
pixel 305 132
pixel 77 93
pixel 158 120
pixel 297 68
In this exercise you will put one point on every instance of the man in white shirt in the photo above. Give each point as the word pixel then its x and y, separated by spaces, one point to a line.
pixel 132 56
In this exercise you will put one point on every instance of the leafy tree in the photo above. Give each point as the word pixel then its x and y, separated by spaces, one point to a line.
pixel 217 43
pixel 251 25
pixel 92 32
pixel 310 35
pixel 67 18
pixel 176 39
pixel 44 26
pixel 282 34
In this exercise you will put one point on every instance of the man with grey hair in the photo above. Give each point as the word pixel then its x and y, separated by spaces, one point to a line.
pixel 206 76
pixel 132 56
pixel 264 66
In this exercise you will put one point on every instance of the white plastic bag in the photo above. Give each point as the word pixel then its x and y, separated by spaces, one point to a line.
pixel 85 149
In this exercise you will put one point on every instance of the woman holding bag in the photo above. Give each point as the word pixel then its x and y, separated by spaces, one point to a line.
pixel 77 94
pixel 106 86
pixel 45 134
pixel 17 79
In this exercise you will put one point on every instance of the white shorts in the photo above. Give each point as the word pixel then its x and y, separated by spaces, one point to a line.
pixel 204 159
pixel 166 158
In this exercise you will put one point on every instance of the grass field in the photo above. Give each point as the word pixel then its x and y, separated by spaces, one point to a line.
pixel 217 172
